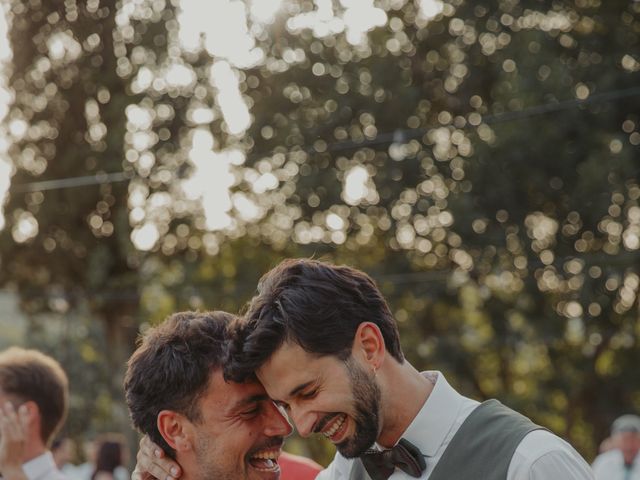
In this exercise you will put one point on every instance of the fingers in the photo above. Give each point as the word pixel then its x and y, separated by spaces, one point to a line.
pixel 152 462
pixel 12 436
pixel 23 417
pixel 149 448
pixel 10 425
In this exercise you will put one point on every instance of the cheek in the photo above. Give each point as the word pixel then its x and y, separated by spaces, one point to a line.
pixel 244 436
pixel 204 444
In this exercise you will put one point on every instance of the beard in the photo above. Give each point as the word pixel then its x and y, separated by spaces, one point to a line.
pixel 366 401
pixel 208 465
pixel 213 464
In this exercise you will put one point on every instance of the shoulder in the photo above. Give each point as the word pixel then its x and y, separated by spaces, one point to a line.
pixel 543 455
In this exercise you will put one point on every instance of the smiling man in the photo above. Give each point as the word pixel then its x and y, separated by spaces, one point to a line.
pixel 177 395
pixel 323 342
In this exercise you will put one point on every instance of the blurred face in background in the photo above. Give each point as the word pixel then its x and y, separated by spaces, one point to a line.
pixel 629 444
pixel 64 452
pixel 90 451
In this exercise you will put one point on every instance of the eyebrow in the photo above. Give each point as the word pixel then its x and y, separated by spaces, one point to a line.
pixel 248 400
pixel 299 388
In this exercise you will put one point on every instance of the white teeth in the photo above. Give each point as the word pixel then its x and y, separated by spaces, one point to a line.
pixel 335 427
pixel 269 466
pixel 271 455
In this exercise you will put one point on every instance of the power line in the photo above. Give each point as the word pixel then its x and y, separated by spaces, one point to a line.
pixel 97 179
pixel 399 136
pixel 431 278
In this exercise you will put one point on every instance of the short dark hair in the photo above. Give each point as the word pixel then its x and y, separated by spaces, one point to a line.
pixel 171 368
pixel 30 375
pixel 317 305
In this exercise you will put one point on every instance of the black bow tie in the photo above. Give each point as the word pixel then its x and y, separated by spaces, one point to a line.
pixel 405 456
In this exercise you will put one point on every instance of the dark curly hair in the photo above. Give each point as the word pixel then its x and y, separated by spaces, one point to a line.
pixel 171 368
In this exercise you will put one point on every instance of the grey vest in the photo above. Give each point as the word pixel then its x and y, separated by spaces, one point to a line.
pixel 482 447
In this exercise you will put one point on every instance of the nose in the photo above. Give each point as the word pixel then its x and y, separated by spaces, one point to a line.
pixel 276 424
pixel 303 420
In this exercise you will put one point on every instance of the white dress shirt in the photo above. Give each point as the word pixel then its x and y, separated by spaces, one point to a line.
pixel 42 468
pixel 541 455
pixel 610 466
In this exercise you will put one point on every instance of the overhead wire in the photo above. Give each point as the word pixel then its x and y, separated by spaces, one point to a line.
pixel 398 135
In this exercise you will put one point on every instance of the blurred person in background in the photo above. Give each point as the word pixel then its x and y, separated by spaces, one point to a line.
pixel 63 451
pixel 622 461
pixel 86 469
pixel 109 458
pixel 91 450
pixel 606 445
pixel 34 400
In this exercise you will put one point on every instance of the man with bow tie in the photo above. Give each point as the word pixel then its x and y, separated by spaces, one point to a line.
pixel 323 342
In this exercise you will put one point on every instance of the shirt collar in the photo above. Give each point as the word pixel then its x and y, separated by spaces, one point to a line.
pixel 429 428
pixel 39 467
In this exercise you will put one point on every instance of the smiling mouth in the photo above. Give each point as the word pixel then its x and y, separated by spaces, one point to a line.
pixel 265 460
pixel 334 428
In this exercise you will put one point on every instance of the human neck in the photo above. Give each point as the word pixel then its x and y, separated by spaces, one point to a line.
pixel 33 450
pixel 404 392
pixel 188 465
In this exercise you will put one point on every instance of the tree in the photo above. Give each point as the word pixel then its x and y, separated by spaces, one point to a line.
pixel 479 159
pixel 67 250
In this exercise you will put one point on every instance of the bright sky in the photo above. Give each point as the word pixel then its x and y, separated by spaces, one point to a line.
pixel 224 27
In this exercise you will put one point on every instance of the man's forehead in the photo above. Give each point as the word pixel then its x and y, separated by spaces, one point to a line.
pixel 291 358
pixel 241 393
pixel 291 369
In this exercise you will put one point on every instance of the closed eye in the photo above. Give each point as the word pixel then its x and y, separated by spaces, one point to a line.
pixel 251 411
pixel 309 394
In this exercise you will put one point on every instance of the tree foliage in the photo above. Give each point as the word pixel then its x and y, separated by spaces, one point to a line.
pixel 479 159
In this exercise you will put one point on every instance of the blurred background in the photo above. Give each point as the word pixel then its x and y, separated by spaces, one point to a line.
pixel 480 159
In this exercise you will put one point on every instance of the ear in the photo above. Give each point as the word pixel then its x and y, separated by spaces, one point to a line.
pixel 368 344
pixel 30 411
pixel 29 414
pixel 176 430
